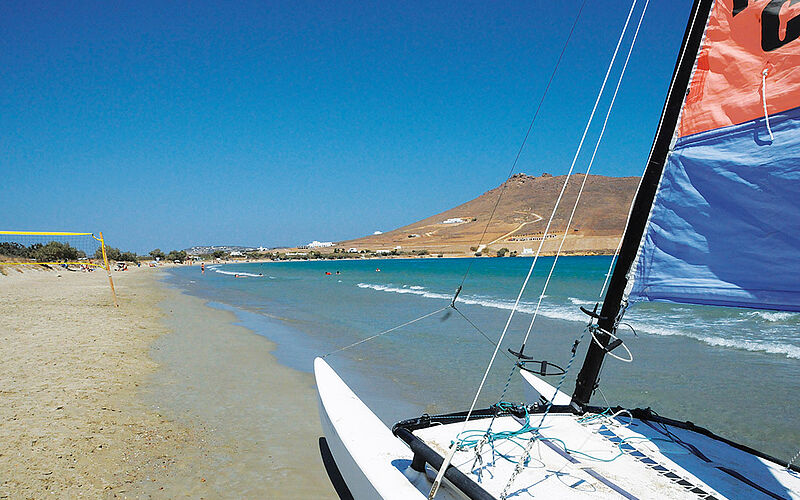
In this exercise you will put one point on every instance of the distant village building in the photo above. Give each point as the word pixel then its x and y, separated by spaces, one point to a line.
pixel 454 220
pixel 352 250
pixel 526 237
pixel 378 232
pixel 297 254
pixel 236 253
pixel 319 244
pixel 527 251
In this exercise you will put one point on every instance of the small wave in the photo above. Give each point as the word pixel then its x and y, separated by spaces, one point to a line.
pixel 416 287
pixel 774 316
pixel 523 307
pixel 237 273
pixel 409 290
pixel 788 350
pixel 578 302
pixel 641 322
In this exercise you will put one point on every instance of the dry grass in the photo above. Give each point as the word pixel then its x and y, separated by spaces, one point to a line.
pixel 521 217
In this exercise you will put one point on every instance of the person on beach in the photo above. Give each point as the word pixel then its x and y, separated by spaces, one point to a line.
pixel 202 268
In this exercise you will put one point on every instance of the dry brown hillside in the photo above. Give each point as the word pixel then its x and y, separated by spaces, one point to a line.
pixel 520 219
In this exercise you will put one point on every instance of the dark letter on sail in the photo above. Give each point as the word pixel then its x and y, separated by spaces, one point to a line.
pixel 771 23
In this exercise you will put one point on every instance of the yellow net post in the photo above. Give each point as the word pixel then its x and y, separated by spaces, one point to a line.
pixel 108 269
pixel 13 242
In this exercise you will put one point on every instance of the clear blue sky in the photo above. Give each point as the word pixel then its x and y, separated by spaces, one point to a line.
pixel 171 124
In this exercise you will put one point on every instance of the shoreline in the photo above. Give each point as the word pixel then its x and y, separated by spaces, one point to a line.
pixel 706 367
pixel 260 415
pixel 86 395
pixel 394 257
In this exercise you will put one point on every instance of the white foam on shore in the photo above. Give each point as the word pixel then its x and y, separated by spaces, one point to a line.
pixel 235 273
pixel 642 322
pixel 579 302
pixel 524 307
pixel 788 350
pixel 775 316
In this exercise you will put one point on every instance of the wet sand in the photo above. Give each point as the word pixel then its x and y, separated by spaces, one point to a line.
pixel 160 397
pixel 261 420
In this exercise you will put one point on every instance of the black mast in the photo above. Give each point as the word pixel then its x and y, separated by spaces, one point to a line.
pixel 692 39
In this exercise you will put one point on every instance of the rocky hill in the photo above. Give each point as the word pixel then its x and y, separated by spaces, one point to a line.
pixel 520 219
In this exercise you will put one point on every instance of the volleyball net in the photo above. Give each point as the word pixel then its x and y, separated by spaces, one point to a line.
pixel 56 248
pixel 53 248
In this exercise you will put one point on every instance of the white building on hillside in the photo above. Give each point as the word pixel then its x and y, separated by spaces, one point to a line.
pixel 320 244
pixel 454 220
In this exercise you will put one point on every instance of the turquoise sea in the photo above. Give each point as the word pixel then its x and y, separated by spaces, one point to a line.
pixel 734 371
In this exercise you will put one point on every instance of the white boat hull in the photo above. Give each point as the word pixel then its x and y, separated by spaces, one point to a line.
pixel 369 457
pixel 633 458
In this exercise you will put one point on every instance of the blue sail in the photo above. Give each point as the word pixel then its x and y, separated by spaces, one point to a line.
pixel 725 225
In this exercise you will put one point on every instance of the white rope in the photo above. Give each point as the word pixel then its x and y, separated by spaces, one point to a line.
pixel 534 438
pixel 586 176
pixel 641 177
pixel 764 100
pixel 795 457
pixel 453 447
pixel 385 332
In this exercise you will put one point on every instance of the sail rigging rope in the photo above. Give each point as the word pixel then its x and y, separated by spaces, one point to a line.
pixel 791 462
pixel 454 447
pixel 525 139
pixel 681 56
pixel 586 175
pixel 385 332
pixel 535 436
pixel 611 265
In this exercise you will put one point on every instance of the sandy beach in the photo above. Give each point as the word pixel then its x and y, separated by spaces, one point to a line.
pixel 162 397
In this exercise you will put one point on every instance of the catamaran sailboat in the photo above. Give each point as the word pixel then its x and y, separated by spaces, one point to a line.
pixel 715 221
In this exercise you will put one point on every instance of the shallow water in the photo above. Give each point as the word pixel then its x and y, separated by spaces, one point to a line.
pixel 735 371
